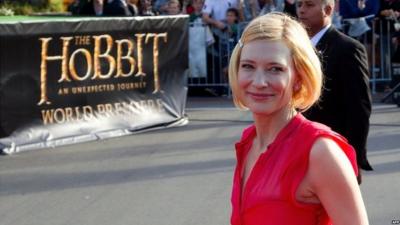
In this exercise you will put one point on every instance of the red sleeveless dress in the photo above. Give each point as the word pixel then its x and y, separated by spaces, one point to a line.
pixel 269 196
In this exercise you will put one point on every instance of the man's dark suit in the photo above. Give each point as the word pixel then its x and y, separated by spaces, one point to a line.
pixel 345 103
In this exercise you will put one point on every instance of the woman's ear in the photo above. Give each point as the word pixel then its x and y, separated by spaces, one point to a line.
pixel 296 87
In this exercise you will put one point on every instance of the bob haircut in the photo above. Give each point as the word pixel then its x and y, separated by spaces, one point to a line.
pixel 274 27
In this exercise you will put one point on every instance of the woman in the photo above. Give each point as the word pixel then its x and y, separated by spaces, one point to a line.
pixel 289 170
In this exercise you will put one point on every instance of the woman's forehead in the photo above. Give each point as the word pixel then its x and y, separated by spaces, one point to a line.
pixel 265 49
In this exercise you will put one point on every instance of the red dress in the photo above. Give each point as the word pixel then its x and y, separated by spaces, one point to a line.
pixel 269 196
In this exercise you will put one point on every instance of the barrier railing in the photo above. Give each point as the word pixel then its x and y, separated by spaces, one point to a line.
pixel 378 41
pixel 209 54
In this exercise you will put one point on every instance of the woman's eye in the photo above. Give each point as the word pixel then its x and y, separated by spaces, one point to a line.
pixel 246 66
pixel 276 69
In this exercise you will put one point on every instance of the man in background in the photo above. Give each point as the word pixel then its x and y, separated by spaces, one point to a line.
pixel 345 105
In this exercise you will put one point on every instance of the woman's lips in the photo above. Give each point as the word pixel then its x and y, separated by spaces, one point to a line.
pixel 259 96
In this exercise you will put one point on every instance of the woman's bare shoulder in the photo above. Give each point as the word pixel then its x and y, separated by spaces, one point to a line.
pixel 327 161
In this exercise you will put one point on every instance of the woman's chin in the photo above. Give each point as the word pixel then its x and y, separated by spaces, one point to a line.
pixel 261 110
pixel 264 109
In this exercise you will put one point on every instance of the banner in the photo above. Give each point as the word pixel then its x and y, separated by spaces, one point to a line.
pixel 64 82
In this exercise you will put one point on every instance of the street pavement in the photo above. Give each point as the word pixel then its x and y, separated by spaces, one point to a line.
pixel 175 176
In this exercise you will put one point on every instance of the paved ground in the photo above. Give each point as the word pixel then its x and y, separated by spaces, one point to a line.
pixel 177 176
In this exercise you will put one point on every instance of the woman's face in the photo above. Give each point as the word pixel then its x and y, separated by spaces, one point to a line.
pixel 266 76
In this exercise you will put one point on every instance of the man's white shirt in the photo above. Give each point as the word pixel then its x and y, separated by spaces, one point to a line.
pixel 216 9
pixel 315 39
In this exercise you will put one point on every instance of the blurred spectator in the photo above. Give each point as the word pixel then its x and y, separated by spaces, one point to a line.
pixel 390 32
pixel 76 6
pixel 336 17
pixel 268 6
pixel 194 11
pixel 161 6
pixel 105 8
pixel 232 22
pixel 286 6
pixel 230 38
pixel 92 8
pixel 248 9
pixel 290 8
pixel 186 5
pixel 146 8
pixel 214 12
pixel 279 5
pixel 358 8
pixel 134 6
pixel 116 8
pixel 390 10
pixel 174 7
pixel 358 15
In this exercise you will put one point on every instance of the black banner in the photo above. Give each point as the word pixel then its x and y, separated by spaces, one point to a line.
pixel 63 82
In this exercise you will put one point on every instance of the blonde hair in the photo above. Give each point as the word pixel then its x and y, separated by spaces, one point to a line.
pixel 278 26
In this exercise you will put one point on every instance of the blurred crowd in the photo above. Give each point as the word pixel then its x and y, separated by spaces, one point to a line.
pixel 354 17
pixel 217 9
pixel 248 9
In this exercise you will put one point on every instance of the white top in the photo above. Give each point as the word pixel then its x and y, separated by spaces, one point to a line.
pixel 315 39
pixel 217 8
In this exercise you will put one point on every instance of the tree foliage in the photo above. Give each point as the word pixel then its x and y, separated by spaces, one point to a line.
pixel 29 7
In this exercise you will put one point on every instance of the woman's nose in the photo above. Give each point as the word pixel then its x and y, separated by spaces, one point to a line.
pixel 260 79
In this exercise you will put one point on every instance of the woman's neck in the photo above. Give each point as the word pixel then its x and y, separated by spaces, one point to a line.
pixel 269 126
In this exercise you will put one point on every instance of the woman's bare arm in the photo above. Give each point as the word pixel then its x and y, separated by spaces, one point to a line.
pixel 333 180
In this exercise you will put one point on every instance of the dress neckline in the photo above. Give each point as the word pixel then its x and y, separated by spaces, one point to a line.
pixel 247 140
pixel 296 120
